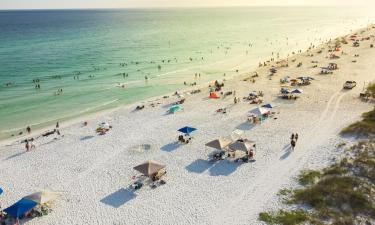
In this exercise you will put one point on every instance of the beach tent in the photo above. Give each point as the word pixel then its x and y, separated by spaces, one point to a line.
pixel 175 108
pixel 219 143
pixel 42 197
pixel 242 145
pixel 187 130
pixel 296 91
pixel 149 168
pixel 259 111
pixel 20 208
pixel 214 95
pixel 104 125
pixel 268 106
pixel 237 134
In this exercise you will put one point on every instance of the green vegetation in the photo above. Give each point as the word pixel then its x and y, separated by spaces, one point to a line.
pixel 293 217
pixel 371 88
pixel 343 193
pixel 308 177
pixel 364 128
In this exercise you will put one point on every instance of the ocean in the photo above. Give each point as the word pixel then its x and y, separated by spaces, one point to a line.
pixel 59 64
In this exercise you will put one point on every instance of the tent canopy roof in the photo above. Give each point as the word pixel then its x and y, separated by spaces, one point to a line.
pixel 149 168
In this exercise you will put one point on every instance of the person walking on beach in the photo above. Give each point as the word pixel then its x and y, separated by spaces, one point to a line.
pixel 293 144
pixel 57 125
pixel 296 137
pixel 292 137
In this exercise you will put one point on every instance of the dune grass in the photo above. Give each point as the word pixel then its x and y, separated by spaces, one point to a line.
pixel 364 128
pixel 340 194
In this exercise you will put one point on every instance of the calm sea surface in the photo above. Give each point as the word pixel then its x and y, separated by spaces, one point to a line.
pixel 90 54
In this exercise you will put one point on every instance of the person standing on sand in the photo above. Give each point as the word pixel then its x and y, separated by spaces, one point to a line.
pixel 296 137
pixel 292 137
pixel 57 125
pixel 27 146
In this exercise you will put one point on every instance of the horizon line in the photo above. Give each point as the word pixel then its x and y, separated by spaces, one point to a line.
pixel 179 7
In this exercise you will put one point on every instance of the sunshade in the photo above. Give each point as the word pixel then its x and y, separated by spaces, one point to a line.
pixel 149 168
pixel 259 111
pixel 219 143
pixel 253 93
pixel 42 197
pixel 296 91
pixel 187 130
pixel 244 145
pixel 175 108
pixel 1 191
pixel 20 208
pixel 236 134
pixel 268 106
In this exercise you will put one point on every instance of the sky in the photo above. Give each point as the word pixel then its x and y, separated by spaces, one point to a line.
pixel 57 4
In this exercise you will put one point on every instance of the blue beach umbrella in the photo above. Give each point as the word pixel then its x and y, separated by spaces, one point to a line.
pixel 296 91
pixel 187 130
pixel 1 191
pixel 20 208
pixel 268 106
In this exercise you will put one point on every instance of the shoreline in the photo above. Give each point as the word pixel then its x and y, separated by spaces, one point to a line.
pixel 94 170
pixel 71 120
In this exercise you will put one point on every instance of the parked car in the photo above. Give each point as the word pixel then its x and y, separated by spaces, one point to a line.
pixel 350 84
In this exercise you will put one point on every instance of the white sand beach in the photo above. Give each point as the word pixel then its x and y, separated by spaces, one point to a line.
pixel 92 172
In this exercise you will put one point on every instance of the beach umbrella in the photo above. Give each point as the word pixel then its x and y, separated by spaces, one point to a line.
pixel 259 111
pixel 296 91
pixel 20 208
pixel 253 94
pixel 187 130
pixel 42 197
pixel 149 168
pixel 268 106
pixel 219 143
pixel 1 191
pixel 241 145
pixel 175 108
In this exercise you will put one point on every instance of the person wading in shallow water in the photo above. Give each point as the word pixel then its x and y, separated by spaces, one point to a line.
pixel 28 129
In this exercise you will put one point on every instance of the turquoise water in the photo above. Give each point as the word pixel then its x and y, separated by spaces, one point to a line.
pixel 86 52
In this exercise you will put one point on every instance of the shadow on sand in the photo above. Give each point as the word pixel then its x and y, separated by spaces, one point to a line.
pixel 287 151
pixel 119 198
pixel 245 126
pixel 170 147
pixel 224 168
pixel 199 166
pixel 219 168
pixel 15 155
pixel 86 138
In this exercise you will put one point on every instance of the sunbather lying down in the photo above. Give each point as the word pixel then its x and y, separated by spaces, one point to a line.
pixel 222 110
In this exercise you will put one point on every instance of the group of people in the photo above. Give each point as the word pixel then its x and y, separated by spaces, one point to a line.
pixel 293 140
